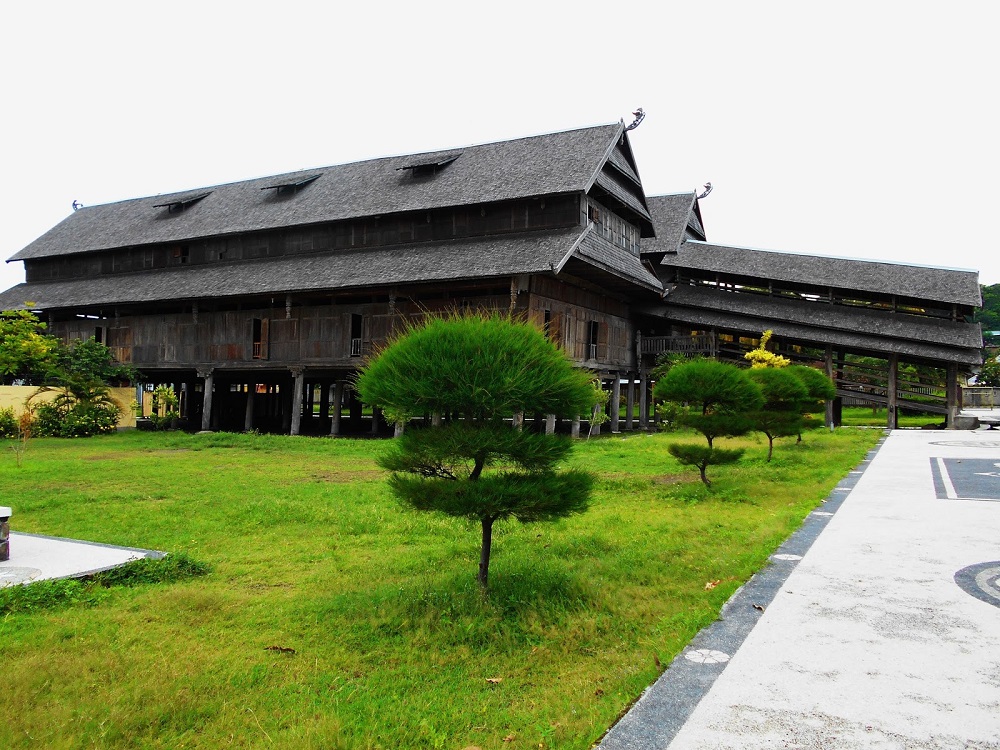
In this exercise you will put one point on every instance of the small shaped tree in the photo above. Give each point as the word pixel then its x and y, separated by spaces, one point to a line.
pixel 722 396
pixel 819 389
pixel 480 371
pixel 781 414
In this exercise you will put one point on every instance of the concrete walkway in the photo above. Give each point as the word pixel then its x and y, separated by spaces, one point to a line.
pixel 34 557
pixel 876 626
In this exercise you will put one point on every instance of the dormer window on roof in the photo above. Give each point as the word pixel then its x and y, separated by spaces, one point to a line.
pixel 424 165
pixel 292 186
pixel 179 204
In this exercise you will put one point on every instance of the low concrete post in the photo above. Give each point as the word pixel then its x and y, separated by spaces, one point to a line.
pixel 5 514
pixel 575 429
pixel 550 424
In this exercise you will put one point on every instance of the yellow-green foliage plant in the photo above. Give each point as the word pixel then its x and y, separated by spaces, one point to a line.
pixel 761 357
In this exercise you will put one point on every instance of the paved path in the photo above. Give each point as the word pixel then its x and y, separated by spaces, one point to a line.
pixel 34 557
pixel 885 634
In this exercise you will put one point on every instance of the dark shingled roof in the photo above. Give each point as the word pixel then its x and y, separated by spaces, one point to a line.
pixel 671 214
pixel 489 257
pixel 919 282
pixel 859 328
pixel 540 165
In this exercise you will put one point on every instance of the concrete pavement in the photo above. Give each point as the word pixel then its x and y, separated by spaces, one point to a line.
pixel 877 625
pixel 34 557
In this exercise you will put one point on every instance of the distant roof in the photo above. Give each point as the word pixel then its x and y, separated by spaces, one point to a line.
pixel 818 322
pixel 478 258
pixel 541 165
pixel 671 215
pixel 952 286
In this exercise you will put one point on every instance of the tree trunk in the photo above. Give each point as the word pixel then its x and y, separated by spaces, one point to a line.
pixel 770 446
pixel 704 477
pixel 484 552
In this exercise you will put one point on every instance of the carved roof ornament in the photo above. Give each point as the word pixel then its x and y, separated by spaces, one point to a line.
pixel 639 117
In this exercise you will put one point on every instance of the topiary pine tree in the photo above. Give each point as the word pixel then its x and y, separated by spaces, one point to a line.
pixel 819 389
pixel 781 414
pixel 481 370
pixel 722 395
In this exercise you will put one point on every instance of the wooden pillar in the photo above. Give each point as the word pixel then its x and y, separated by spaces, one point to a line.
pixel 616 400
pixel 248 415
pixel 436 419
pixel 550 424
pixel 338 405
pixel 829 374
pixel 643 395
pixel 630 402
pixel 575 429
pixel 324 404
pixel 518 420
pixel 206 398
pixel 891 417
pixel 297 395
pixel 953 394
pixel 376 416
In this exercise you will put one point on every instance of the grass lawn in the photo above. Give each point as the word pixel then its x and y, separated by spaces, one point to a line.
pixel 860 416
pixel 334 619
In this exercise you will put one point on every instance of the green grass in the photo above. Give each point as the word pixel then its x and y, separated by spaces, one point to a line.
pixel 334 619
pixel 860 416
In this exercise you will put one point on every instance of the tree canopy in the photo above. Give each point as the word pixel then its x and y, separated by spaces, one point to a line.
pixel 724 398
pixel 478 371
pixel 26 351
pixel 989 315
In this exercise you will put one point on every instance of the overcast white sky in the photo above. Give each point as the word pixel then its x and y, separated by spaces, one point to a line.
pixel 858 129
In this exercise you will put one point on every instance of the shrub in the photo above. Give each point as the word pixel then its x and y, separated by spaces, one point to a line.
pixel 79 419
pixel 8 423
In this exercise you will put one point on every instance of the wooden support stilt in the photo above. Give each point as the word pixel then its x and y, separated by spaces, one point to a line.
pixel 892 400
pixel 338 405
pixel 248 414
pixel 616 401
pixel 206 398
pixel 296 405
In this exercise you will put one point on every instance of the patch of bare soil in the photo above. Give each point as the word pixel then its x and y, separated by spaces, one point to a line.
pixel 342 477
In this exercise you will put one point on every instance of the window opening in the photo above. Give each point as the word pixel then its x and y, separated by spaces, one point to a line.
pixel 292 186
pixel 427 165
pixel 259 338
pixel 355 335
pixel 180 204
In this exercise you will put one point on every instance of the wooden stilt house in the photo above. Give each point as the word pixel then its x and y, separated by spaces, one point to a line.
pixel 258 300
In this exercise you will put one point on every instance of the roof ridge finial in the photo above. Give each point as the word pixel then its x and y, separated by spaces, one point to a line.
pixel 639 116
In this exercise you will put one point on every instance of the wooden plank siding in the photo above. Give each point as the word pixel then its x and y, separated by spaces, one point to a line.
pixel 571 311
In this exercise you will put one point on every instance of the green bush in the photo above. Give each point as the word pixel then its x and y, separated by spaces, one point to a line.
pixel 81 419
pixel 8 423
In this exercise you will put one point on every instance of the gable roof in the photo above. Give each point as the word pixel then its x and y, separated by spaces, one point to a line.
pixel 671 216
pixel 541 165
pixel 952 286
